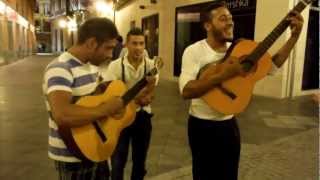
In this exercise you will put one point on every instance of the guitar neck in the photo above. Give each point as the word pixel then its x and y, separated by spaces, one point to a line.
pixel 132 92
pixel 274 35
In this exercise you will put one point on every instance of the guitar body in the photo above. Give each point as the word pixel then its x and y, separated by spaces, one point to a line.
pixel 86 142
pixel 234 94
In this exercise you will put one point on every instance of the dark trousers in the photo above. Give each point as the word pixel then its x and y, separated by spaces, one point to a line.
pixel 138 133
pixel 215 148
pixel 82 171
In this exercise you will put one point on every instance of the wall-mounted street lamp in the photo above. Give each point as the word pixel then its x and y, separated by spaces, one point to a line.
pixel 69 23
pixel 102 6
pixel 105 9
pixel 72 25
pixel 62 23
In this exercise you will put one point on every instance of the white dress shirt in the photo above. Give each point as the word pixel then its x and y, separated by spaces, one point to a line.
pixel 132 75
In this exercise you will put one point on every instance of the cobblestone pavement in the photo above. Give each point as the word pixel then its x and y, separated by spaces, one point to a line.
pixel 290 158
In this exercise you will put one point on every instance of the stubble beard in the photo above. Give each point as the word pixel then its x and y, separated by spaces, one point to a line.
pixel 220 36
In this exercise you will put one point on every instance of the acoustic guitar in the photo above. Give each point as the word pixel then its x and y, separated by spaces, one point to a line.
pixel 233 95
pixel 97 141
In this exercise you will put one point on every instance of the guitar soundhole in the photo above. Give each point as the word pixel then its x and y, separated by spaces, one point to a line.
pixel 99 131
pixel 247 64
pixel 227 92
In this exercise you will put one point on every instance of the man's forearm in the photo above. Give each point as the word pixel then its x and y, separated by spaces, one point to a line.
pixel 197 88
pixel 280 57
pixel 74 115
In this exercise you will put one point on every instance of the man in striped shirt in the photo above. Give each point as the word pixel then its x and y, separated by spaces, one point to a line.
pixel 70 76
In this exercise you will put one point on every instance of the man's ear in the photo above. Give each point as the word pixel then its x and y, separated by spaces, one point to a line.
pixel 91 43
pixel 207 26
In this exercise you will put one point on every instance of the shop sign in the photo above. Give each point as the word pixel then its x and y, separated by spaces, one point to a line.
pixel 241 4
pixel 11 14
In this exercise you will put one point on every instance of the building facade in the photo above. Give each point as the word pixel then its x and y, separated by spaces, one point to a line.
pixel 67 15
pixel 168 23
pixel 58 33
pixel 43 26
pixel 17 30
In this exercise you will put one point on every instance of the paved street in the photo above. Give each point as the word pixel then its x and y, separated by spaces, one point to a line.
pixel 279 137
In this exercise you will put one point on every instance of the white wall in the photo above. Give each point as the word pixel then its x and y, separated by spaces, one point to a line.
pixel 298 60
pixel 288 79
pixel 267 17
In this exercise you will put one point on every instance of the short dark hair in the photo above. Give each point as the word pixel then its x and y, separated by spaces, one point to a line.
pixel 206 16
pixel 102 29
pixel 135 32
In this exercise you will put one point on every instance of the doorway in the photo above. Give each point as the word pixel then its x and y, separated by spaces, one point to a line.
pixel 189 28
pixel 150 28
pixel 310 79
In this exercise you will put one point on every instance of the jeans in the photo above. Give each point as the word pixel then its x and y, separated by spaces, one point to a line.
pixel 138 134
pixel 82 170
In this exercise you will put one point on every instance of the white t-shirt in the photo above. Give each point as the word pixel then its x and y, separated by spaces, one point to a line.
pixel 194 58
pixel 132 75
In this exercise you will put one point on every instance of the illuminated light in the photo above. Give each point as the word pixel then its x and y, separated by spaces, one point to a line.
pixel 72 25
pixel 31 27
pixel 104 9
pixel 22 21
pixel 62 23
pixel 2 7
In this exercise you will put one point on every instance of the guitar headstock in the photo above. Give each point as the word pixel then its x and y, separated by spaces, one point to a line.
pixel 301 6
pixel 158 64
pixel 306 2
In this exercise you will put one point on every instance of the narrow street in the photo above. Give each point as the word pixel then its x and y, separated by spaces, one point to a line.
pixel 279 137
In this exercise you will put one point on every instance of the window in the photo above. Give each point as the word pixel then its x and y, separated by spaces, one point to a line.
pixel 46 26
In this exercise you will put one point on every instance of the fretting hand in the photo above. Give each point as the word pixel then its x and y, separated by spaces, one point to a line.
pixel 146 95
pixel 113 107
pixel 296 23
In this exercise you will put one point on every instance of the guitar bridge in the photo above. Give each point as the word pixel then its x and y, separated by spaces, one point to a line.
pixel 227 92
pixel 101 134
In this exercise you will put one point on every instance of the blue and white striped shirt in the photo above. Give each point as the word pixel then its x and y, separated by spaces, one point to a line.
pixel 66 73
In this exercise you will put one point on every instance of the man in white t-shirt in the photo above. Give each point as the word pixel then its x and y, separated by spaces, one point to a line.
pixel 130 69
pixel 214 137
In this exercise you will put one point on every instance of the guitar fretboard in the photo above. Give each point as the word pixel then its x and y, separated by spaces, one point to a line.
pixel 274 35
pixel 132 92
